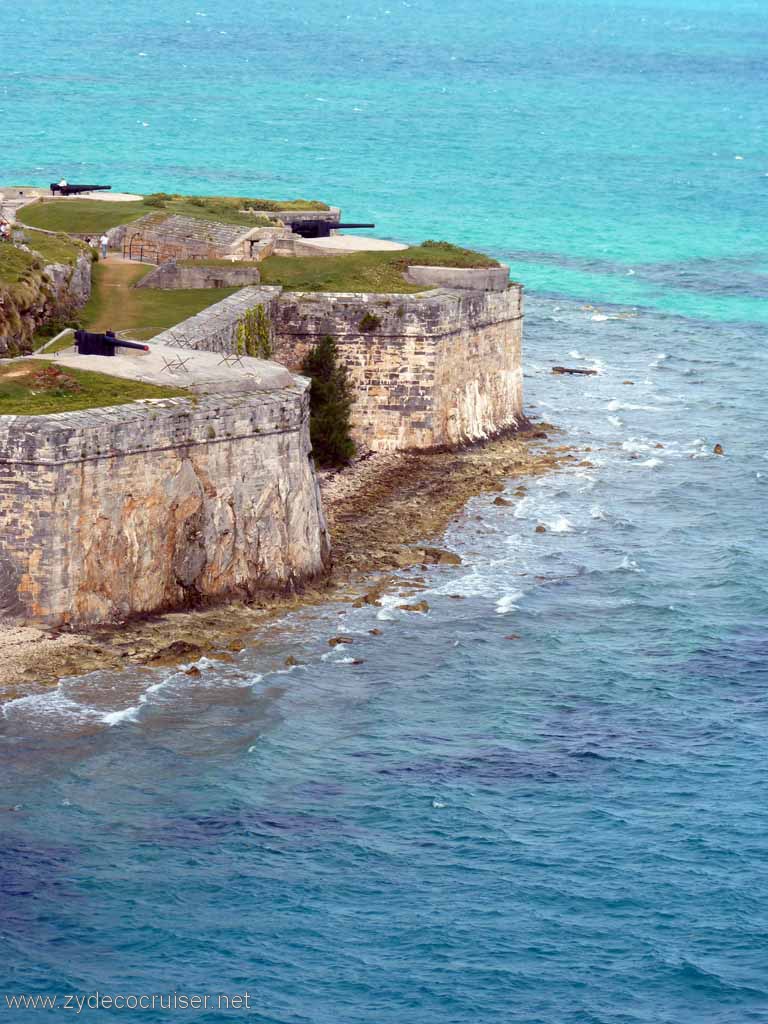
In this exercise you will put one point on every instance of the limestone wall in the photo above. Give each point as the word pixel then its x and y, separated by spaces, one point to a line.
pixel 170 276
pixel 494 279
pixel 431 369
pixel 180 237
pixel 215 329
pixel 157 505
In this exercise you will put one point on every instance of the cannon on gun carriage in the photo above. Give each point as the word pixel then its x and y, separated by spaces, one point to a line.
pixel 89 344
pixel 65 189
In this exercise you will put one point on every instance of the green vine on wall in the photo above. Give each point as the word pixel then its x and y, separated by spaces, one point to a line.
pixel 254 334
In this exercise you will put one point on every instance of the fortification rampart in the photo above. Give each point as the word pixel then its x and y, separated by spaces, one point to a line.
pixel 431 369
pixel 155 505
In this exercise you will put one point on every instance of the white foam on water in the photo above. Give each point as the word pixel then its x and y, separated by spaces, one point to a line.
pixel 508 603
pixel 560 525
pixel 596 512
pixel 652 463
pixel 629 565
pixel 633 445
pixel 126 715
pixel 598 317
pixel 615 421
pixel 616 406
pixel 51 703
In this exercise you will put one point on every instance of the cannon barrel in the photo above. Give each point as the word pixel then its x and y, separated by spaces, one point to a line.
pixel 72 190
pixel 89 344
pixel 321 227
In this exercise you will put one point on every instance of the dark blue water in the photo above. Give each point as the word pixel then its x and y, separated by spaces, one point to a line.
pixel 567 827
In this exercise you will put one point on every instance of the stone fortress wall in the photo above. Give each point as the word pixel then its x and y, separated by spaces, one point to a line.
pixel 155 505
pixel 432 369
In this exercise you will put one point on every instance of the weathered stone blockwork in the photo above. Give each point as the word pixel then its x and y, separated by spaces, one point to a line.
pixel 432 369
pixel 157 505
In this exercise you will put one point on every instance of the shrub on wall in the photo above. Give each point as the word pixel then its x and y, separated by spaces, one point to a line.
pixel 253 334
pixel 369 323
pixel 330 405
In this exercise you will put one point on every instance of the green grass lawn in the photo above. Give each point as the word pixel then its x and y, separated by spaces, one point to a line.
pixel 81 216
pixel 366 271
pixel 36 387
pixel 92 216
pixel 140 312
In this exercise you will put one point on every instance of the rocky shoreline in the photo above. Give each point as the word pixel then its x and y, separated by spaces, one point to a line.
pixel 381 511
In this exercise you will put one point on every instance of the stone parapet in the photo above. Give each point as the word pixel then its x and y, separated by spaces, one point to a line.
pixel 171 276
pixel 493 279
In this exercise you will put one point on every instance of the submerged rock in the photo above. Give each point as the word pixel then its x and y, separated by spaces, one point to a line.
pixel 419 606
pixel 501 501
pixel 541 529
pixel 718 450
pixel 336 640
pixel 568 369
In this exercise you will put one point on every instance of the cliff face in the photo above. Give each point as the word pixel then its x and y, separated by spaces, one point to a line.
pixel 37 296
pixel 109 513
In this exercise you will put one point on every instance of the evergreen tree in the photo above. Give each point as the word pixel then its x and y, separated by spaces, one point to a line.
pixel 330 405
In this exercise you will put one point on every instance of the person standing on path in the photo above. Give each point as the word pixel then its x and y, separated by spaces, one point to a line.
pixel 104 242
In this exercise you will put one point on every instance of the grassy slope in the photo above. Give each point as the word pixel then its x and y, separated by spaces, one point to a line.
pixel 92 216
pixel 55 248
pixel 141 312
pixel 15 264
pixel 365 271
pixel 19 395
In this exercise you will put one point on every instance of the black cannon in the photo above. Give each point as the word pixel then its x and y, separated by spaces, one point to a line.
pixel 321 228
pixel 89 344
pixel 74 190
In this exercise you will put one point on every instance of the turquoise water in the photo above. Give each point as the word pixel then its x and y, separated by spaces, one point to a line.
pixel 569 827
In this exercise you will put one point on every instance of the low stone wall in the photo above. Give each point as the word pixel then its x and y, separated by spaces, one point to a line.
pixel 433 369
pixel 488 279
pixel 138 508
pixel 215 328
pixel 171 276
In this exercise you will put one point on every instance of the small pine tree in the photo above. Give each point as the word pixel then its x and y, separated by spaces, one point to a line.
pixel 330 405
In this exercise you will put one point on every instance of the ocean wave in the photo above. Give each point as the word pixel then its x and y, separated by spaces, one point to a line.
pixel 508 603
pixel 560 525
pixel 617 406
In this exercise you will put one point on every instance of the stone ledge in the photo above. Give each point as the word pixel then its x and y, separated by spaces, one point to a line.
pixel 482 279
